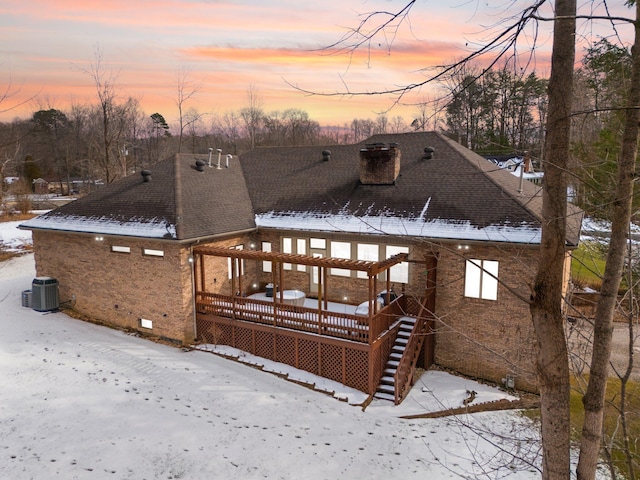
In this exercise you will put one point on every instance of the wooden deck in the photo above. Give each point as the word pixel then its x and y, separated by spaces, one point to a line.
pixel 331 323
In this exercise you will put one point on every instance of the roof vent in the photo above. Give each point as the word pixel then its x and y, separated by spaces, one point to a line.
pixel 200 165
pixel 146 176
pixel 428 153
pixel 326 155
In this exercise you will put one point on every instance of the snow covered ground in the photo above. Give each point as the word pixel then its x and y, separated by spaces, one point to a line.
pixel 11 238
pixel 80 401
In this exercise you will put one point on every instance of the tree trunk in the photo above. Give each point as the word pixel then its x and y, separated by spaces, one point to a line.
pixel 594 399
pixel 552 366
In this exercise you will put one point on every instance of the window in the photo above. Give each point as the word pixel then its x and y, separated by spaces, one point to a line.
pixel 144 323
pixel 153 253
pixel 318 243
pixel 367 252
pixel 341 250
pixel 400 272
pixel 301 245
pixel 287 247
pixel 266 265
pixel 117 248
pixel 240 267
pixel 481 279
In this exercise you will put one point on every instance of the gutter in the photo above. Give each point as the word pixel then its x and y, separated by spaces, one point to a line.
pixel 185 241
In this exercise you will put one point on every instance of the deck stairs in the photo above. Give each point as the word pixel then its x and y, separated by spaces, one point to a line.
pixel 401 359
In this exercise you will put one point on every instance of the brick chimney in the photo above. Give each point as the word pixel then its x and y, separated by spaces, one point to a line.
pixel 379 164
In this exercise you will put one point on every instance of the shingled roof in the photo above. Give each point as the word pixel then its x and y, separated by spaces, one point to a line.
pixel 455 194
pixel 177 203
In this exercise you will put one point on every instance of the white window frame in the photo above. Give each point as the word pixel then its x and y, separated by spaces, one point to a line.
pixel 369 252
pixel 150 252
pixel 301 249
pixel 229 262
pixel 398 273
pixel 120 249
pixel 287 247
pixel 318 243
pixel 267 266
pixel 481 279
pixel 341 250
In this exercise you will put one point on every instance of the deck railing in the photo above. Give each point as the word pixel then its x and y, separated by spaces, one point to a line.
pixel 357 328
pixel 403 376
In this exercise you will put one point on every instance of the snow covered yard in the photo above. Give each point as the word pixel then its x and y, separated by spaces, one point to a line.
pixel 11 238
pixel 83 401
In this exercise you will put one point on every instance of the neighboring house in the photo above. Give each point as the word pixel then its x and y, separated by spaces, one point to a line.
pixel 11 180
pixel 40 186
pixel 521 167
pixel 285 252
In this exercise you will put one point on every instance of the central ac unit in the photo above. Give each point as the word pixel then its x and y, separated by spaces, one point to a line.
pixel 44 294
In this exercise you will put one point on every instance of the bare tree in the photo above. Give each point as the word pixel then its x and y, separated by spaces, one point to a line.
pixel 252 115
pixel 229 128
pixel 427 111
pixel 546 303
pixel 104 81
pixel 9 157
pixel 398 124
pixel 546 298
pixel 194 126
pixel 10 97
pixel 594 399
pixel 186 89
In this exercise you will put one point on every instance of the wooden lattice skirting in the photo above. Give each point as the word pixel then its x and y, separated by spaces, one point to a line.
pixel 354 364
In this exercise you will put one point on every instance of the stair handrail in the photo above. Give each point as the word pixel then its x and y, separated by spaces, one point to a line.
pixel 403 376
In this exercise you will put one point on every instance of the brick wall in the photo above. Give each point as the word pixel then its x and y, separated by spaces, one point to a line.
pixel 121 288
pixel 480 338
pixel 485 338
pixel 379 164
pixel 216 278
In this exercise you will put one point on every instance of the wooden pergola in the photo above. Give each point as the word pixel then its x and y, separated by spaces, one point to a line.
pixel 371 268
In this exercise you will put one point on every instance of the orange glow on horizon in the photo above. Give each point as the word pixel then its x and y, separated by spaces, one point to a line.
pixel 228 47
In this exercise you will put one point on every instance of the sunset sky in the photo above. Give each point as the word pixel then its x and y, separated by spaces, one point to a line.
pixel 228 47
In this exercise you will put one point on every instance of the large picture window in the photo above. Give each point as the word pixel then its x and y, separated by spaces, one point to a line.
pixel 481 279
pixel 239 265
pixel 319 247
pixel 341 250
pixel 400 272
pixel 266 265
pixel 287 247
pixel 302 250
pixel 368 252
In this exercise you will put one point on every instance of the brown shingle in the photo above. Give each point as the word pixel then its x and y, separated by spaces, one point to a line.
pixel 190 203
pixel 456 184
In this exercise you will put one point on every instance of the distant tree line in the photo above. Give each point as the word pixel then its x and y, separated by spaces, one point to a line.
pixel 498 111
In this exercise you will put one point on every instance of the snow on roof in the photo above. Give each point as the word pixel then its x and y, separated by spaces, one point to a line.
pixel 154 228
pixel 390 225
pixel 526 175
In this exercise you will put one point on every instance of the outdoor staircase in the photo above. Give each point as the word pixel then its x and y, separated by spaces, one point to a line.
pixel 387 387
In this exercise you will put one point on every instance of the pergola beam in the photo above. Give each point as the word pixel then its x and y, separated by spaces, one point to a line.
pixel 372 268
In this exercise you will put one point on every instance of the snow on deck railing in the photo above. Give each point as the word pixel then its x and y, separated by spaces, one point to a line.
pixel 348 326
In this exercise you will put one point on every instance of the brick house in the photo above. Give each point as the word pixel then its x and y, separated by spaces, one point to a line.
pixel 355 262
